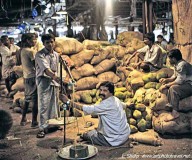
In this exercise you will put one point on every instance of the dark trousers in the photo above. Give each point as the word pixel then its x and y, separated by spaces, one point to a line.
pixel 178 92
pixel 10 80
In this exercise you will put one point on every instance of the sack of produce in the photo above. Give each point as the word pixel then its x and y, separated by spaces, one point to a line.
pixel 86 83
pixel 180 125
pixel 18 70
pixel 82 57
pixel 108 76
pixel 83 71
pixel 68 45
pixel 19 85
pixel 90 44
pixel 104 66
pixel 126 37
pixel 99 56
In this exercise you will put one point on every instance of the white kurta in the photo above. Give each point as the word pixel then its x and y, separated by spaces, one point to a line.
pixel 112 120
pixel 7 59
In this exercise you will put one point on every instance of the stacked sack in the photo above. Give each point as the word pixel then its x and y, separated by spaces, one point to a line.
pixel 95 62
pixel 125 38
pixel 144 88
pixel 18 88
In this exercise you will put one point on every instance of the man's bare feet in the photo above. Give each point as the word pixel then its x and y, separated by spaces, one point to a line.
pixel 174 115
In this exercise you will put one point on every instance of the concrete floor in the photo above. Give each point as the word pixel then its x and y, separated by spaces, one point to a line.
pixel 28 147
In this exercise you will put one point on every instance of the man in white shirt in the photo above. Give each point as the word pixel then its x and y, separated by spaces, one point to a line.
pixel 151 55
pixel 113 129
pixel 46 62
pixel 8 52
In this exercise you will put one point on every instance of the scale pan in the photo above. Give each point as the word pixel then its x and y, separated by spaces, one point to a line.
pixel 65 152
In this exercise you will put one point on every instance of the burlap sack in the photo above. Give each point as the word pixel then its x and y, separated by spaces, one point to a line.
pixel 167 71
pixel 180 125
pixel 113 50
pixel 82 57
pixel 108 76
pixel 88 43
pixel 124 38
pixel 68 45
pixel 134 45
pixel 123 72
pixel 135 74
pixel 121 52
pixel 132 75
pixel 18 95
pixel 104 66
pixel 100 56
pixel 137 83
pixel 86 83
pixel 83 71
pixel 19 85
pixel 161 101
pixel 186 104
pixel 18 70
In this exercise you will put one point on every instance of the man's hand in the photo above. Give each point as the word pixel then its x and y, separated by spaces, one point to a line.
pixel 55 78
pixel 163 87
pixel 63 98
pixel 163 80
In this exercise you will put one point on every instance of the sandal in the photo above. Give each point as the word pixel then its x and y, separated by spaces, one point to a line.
pixel 41 134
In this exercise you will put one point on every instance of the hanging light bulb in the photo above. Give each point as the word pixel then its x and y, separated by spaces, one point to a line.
pixel 47 10
pixel 49 5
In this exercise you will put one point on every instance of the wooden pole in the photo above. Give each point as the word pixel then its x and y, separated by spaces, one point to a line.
pixel 143 17
pixel 150 16
pixel 182 14
pixel 116 30
pixel 146 16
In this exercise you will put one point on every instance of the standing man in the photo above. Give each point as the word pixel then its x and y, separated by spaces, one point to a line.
pixel 8 52
pixel 113 129
pixel 179 85
pixel 150 55
pixel 46 61
pixel 28 63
